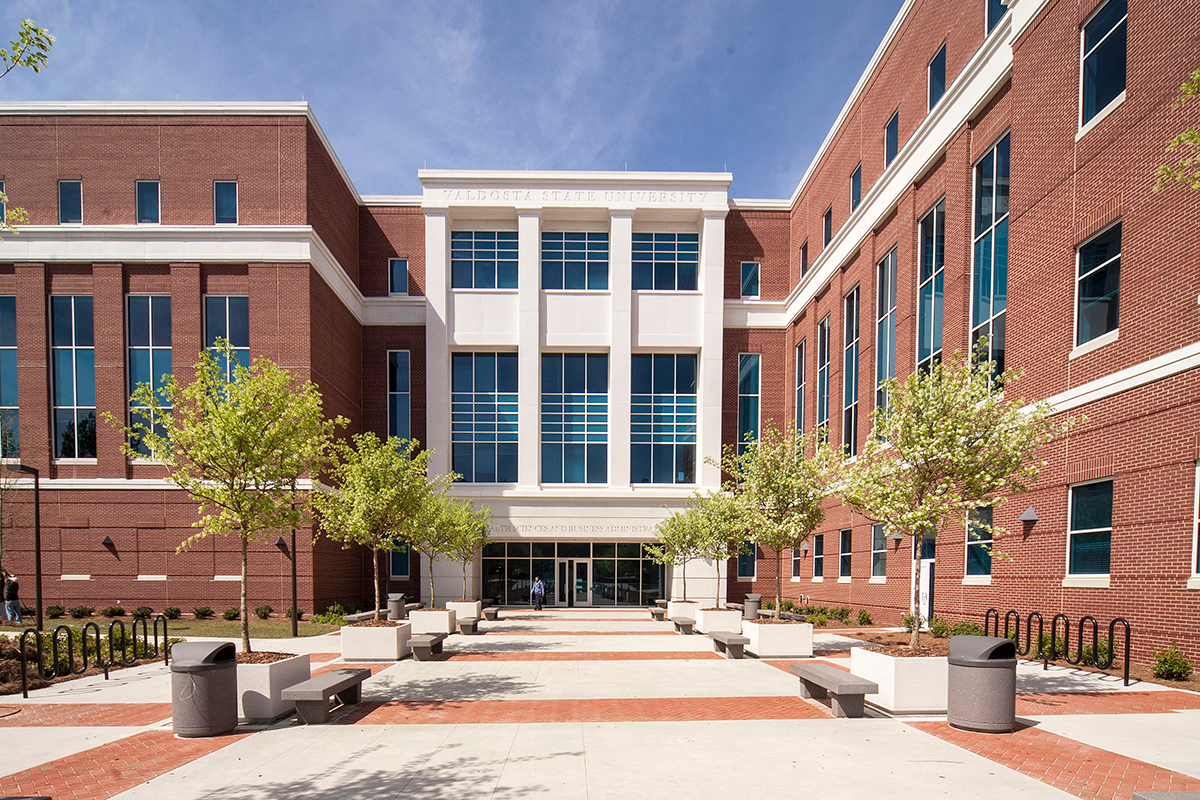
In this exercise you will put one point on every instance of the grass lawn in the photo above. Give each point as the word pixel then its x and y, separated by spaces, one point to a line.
pixel 186 626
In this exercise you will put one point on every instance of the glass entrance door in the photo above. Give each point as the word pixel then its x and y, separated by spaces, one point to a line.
pixel 574 586
pixel 583 583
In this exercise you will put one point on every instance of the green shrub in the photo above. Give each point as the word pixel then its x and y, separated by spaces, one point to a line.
pixel 1090 657
pixel 820 620
pixel 966 628
pixel 55 612
pixel 27 611
pixel 299 614
pixel 790 607
pixel 143 612
pixel 842 613
pixel 908 622
pixel 202 612
pixel 113 611
pixel 332 616
pixel 768 605
pixel 79 612
pixel 864 617
pixel 939 627
pixel 231 614
pixel 171 612
pixel 1060 647
pixel 263 612
pixel 1171 665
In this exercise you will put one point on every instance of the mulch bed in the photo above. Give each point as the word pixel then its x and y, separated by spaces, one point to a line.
pixel 375 623
pixel 262 657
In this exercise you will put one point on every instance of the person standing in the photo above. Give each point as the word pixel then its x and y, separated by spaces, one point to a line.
pixel 12 602
pixel 539 592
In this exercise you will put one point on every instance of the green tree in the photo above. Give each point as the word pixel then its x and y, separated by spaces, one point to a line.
pixel 1187 169
pixel 780 481
pixel 237 445
pixel 378 496
pixel 710 527
pixel 949 441
pixel 443 529
pixel 30 49
pixel 468 533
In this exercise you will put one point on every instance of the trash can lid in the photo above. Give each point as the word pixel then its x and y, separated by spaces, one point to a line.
pixel 982 651
pixel 202 656
pixel 394 596
pixel 754 597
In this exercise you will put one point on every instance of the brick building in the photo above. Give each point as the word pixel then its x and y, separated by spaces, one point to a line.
pixel 577 343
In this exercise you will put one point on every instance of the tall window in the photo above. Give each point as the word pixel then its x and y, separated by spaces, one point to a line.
pixel 749 387
pixel 996 9
pixel 574 260
pixel 147 202
pixel 399 395
pixel 937 77
pixel 397 276
pixel 228 317
pixel 483 259
pixel 989 280
pixel 1091 528
pixel 1098 286
pixel 574 418
pixel 796 560
pixel 885 325
pixel 663 419
pixel 749 279
pixel 800 384
pixel 827 227
pixel 850 376
pixel 856 187
pixel 931 286
pixel 879 550
pixel 484 416
pixel 844 561
pixel 399 562
pixel 746 561
pixel 3 206
pixel 225 202
pixel 74 358
pixel 891 139
pixel 149 321
pixel 1196 525
pixel 1103 59
pixel 819 556
pixel 666 260
pixel 803 257
pixel 70 202
pixel 10 417
pixel 823 380
pixel 979 541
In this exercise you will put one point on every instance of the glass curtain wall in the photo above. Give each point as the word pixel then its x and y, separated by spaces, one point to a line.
pixel 622 574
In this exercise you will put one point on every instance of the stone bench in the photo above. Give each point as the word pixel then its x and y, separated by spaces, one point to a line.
pixel 660 603
pixel 845 691
pixel 491 614
pixel 312 696
pixel 468 626
pixel 426 645
pixel 684 625
pixel 659 614
pixel 729 644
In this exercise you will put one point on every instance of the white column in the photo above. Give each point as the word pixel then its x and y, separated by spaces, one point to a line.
pixel 528 348
pixel 437 339
pixel 712 284
pixel 620 283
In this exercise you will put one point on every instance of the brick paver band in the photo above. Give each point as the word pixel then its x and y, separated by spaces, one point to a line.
pixel 1045 704
pixel 102 715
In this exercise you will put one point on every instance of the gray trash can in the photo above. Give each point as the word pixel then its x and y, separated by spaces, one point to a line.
pixel 395 606
pixel 203 688
pixel 751 606
pixel 982 689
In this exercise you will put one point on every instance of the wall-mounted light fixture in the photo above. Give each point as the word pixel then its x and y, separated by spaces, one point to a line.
pixel 107 541
pixel 804 547
pixel 1029 515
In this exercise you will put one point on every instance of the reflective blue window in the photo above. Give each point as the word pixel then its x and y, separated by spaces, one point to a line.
pixel 574 260
pixel 663 419
pixel 996 9
pixel 979 542
pixel 844 560
pixel 10 418
pixel 399 561
pixel 989 277
pixel 1091 528
pixel 1099 282
pixel 225 202
pixel 397 276
pixel 483 259
pixel 147 202
pixel 746 561
pixel 74 374
pixel 399 395
pixel 850 376
pixel 930 285
pixel 70 201
pixel 804 259
pixel 574 417
pixel 750 270
pixel 3 205
pixel 749 395
pixel 937 77
pixel 148 318
pixel 856 187
pixel 891 139
pixel 827 226
pixel 228 317
pixel 1103 58
pixel 885 325
pixel 819 556
pixel 666 261
pixel 484 416
pixel 801 378
pixel 823 379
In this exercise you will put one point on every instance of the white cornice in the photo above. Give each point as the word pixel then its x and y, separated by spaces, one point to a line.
pixel 391 199
pixel 760 204
pixel 756 314
pixel 660 180
pixel 1150 371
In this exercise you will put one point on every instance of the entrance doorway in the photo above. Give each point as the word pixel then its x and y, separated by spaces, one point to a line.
pixel 574 582
pixel 928 564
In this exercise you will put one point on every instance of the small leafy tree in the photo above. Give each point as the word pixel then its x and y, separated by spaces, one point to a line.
pixel 710 527
pixel 468 533
pixel 30 49
pixel 1187 170
pixel 236 445
pixel 949 441
pixel 440 524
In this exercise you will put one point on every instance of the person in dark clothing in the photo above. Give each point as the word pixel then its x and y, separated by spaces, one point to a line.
pixel 538 591
pixel 12 603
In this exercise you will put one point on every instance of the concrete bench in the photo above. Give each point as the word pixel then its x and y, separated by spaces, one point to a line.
pixel 312 696
pixel 845 691
pixel 468 626
pixel 426 645
pixel 660 603
pixel 659 614
pixel 684 625
pixel 491 614
pixel 729 644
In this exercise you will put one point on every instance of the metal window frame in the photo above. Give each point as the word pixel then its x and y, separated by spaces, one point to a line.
pixel 1083 56
pixel 1071 532
pixel 1079 279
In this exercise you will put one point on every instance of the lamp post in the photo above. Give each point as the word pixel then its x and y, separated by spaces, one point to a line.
pixel 37 536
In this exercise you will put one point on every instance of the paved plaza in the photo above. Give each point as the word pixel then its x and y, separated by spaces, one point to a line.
pixel 592 704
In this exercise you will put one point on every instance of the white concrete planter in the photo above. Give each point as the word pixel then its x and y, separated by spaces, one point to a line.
pixel 906 685
pixel 677 608
pixel 425 620
pixel 726 619
pixel 787 640
pixel 375 644
pixel 260 685
pixel 466 608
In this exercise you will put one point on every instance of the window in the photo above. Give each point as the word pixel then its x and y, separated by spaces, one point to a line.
pixel 804 258
pixel 856 187
pixel 891 139
pixel 979 541
pixel 663 419
pixel 399 559
pixel 1103 59
pixel 1091 528
pixel 399 395
pixel 800 381
pixel 574 418
pixel 70 202
pixel 989 281
pixel 228 318
pixel 1196 525
pixel 937 77
pixel 483 259
pixel 850 376
pixel 819 556
pixel 748 399
pixel 149 321
pixel 666 260
pixel 827 227
pixel 796 555
pixel 575 261
pixel 823 380
pixel 397 276
pixel 746 561
pixel 147 202
pixel 879 551
pixel 1098 286
pixel 74 357
pixel 484 416
pixel 844 561
pixel 996 9
pixel 3 206
pixel 10 418
pixel 931 285
pixel 225 202
pixel 885 325
pixel 749 279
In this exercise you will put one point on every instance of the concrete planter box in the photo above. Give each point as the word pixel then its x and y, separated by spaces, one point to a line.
pixel 790 640
pixel 677 608
pixel 259 687
pixel 726 619
pixel 466 608
pixel 425 620
pixel 906 685
pixel 375 644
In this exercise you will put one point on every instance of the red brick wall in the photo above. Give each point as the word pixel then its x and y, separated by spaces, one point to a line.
pixel 332 207
pixel 760 236
pixel 391 232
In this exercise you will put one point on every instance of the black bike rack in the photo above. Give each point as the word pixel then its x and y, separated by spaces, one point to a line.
pixel 124 658
pixel 991 622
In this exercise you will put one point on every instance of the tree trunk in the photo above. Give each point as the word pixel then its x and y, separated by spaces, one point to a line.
pixel 684 577
pixel 245 608
pixel 431 603
pixel 918 541
pixel 778 583
pixel 464 566
pixel 375 558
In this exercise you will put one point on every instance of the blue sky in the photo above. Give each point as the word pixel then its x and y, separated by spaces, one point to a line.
pixel 751 87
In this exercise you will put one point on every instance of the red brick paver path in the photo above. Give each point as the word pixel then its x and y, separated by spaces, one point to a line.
pixel 375 668
pixel 316 658
pixel 1034 705
pixel 1065 764
pixel 111 768
pixel 54 715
